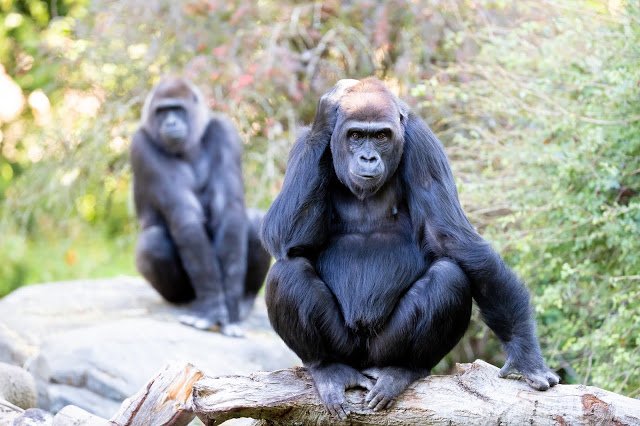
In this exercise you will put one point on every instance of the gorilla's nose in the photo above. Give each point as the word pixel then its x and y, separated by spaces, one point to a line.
pixel 368 164
pixel 369 158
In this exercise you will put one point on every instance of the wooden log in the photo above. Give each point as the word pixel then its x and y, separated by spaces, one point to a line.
pixel 475 395
pixel 163 401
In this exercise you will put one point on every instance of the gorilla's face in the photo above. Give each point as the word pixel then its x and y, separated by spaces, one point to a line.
pixel 175 116
pixel 368 139
pixel 173 127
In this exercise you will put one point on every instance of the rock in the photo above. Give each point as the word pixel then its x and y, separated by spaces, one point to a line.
pixel 34 417
pixel 8 413
pixel 94 343
pixel 17 386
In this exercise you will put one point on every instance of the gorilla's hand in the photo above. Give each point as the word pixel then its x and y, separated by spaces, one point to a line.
pixel 541 378
pixel 325 119
pixel 206 313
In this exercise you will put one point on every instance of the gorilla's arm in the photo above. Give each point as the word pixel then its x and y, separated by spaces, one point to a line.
pixel 228 213
pixel 297 220
pixel 163 193
pixel 444 230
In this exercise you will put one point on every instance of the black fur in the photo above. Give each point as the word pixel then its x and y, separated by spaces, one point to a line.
pixel 380 272
pixel 197 242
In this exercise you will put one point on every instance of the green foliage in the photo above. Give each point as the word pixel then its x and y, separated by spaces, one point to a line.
pixel 555 110
pixel 582 243
pixel 536 103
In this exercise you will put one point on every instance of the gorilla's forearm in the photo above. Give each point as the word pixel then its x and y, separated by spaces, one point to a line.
pixel 297 219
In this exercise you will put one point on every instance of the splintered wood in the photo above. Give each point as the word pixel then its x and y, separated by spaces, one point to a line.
pixel 475 395
pixel 165 400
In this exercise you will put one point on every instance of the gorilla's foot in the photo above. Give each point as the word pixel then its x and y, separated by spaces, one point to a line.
pixel 390 382
pixel 332 380
pixel 210 314
pixel 232 330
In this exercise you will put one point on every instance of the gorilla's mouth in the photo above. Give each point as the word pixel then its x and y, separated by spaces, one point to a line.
pixel 366 177
pixel 174 135
pixel 369 178
pixel 363 185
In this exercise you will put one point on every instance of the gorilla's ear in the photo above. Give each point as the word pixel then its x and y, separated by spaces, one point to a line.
pixel 404 111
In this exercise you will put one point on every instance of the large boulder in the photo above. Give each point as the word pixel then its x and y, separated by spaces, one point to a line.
pixel 17 386
pixel 94 343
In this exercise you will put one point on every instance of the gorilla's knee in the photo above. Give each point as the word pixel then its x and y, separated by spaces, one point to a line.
pixel 154 245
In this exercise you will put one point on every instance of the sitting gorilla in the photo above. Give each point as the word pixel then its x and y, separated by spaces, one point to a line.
pixel 197 241
pixel 377 263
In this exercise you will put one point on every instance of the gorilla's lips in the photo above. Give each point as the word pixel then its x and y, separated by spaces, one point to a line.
pixel 174 135
pixel 365 184
pixel 369 176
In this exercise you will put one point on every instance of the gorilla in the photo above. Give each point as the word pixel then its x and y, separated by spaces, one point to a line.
pixel 377 264
pixel 198 244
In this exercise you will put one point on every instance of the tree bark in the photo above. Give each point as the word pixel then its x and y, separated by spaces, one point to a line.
pixel 475 395
pixel 163 401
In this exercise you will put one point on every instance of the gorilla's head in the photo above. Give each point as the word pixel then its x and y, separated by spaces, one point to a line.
pixel 368 138
pixel 175 115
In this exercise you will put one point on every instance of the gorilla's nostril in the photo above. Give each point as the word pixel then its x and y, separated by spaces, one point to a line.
pixel 367 159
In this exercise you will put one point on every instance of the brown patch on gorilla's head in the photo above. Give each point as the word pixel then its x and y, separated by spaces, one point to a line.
pixel 176 88
pixel 371 100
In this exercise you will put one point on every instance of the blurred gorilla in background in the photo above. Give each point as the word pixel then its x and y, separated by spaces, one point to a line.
pixel 198 243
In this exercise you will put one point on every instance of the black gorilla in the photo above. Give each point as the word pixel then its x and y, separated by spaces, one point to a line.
pixel 197 240
pixel 377 263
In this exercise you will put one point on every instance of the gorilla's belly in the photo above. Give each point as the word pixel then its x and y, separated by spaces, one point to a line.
pixel 368 274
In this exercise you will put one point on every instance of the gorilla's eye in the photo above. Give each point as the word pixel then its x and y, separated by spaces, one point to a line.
pixel 382 136
pixel 355 135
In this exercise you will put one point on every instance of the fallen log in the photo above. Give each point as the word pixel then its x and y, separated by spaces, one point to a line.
pixel 475 395
pixel 165 400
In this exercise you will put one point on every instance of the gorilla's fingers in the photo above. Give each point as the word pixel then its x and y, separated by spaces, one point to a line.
pixel 553 378
pixel 537 381
pixel 196 321
pixel 339 89
pixel 366 383
pixel 507 370
pixel 372 372
pixel 232 330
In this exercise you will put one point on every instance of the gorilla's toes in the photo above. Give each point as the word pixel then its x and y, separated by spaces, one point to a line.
pixel 197 322
pixel 232 330
pixel 390 382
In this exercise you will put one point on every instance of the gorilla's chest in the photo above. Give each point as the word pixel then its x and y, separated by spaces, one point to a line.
pixel 369 271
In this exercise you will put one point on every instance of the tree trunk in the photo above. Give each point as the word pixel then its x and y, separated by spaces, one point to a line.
pixel 475 395
pixel 163 401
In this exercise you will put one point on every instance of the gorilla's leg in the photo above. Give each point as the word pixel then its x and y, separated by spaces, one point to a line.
pixel 426 324
pixel 258 261
pixel 157 260
pixel 304 313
